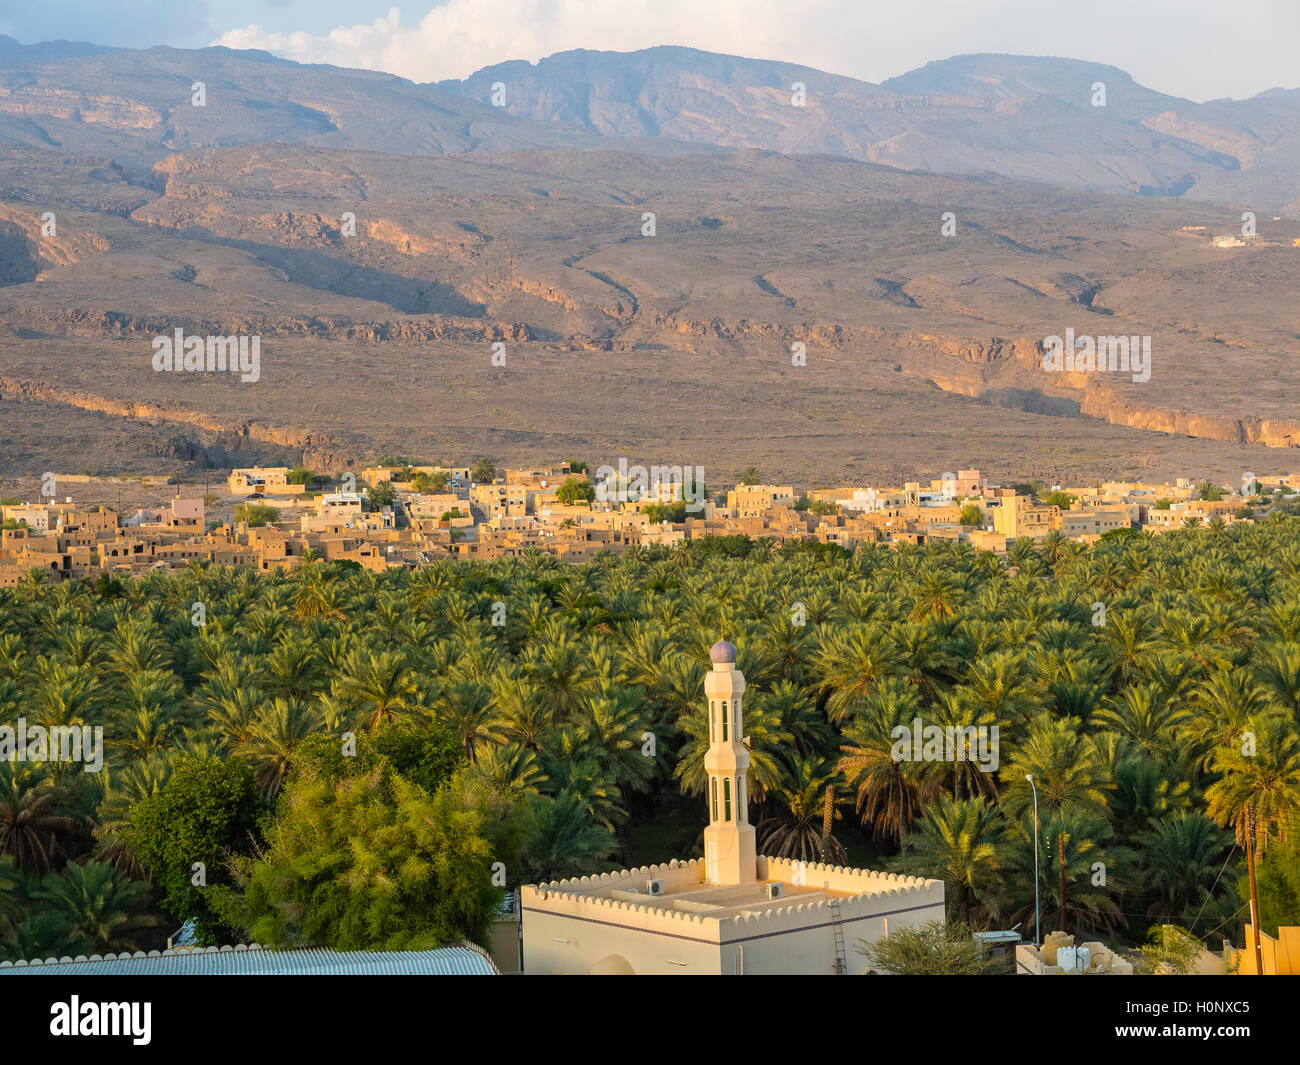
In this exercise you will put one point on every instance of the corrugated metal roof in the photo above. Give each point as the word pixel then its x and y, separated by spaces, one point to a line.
pixel 254 960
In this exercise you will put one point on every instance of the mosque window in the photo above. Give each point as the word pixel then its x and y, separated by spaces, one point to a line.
pixel 726 798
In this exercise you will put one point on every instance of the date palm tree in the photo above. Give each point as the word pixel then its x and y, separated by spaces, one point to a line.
pixel 567 842
pixel 380 685
pixel 510 771
pixel 960 842
pixel 850 664
pixel 1278 667
pixel 799 832
pixel 465 709
pixel 99 903
pixel 891 792
pixel 1094 869
pixel 1258 789
pixel 1069 769
pixel 31 824
pixel 1182 856
pixel 276 733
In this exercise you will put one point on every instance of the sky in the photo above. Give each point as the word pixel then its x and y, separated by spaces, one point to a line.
pixel 1198 49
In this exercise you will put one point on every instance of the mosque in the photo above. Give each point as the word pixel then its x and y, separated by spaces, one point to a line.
pixel 733 912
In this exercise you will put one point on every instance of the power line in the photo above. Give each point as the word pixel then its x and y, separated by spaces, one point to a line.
pixel 1214 885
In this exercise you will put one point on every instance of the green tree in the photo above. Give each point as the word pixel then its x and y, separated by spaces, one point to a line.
pixel 33 824
pixel 936 948
pixel 1169 949
pixel 574 491
pixel 202 816
pixel 370 862
pixel 1277 877
pixel 107 908
pixel 484 471
pixel 971 514
pixel 960 843
pixel 256 514
pixel 431 483
pixel 568 841
pixel 381 495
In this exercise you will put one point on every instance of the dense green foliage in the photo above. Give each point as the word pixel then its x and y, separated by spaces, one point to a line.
pixel 936 948
pixel 658 513
pixel 381 495
pixel 431 483
pixel 575 490
pixel 86 908
pixel 1153 727
pixel 365 858
pixel 256 513
pixel 203 814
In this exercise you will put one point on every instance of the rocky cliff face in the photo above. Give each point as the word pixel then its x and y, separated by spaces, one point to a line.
pixel 922 340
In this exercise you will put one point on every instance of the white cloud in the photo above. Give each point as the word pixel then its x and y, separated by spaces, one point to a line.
pixel 1240 49
pixel 457 38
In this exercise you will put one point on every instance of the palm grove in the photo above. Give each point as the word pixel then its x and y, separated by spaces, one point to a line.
pixel 347 759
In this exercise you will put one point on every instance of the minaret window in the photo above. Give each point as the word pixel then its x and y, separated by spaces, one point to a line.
pixel 726 798
pixel 724 722
pixel 714 781
pixel 740 799
pixel 713 721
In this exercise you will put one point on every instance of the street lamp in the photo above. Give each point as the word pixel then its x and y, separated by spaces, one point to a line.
pixel 1037 938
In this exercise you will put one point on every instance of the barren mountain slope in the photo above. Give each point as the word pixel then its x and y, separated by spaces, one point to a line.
pixel 1033 117
pixel 920 348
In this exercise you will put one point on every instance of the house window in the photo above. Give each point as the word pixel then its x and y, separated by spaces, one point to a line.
pixel 726 798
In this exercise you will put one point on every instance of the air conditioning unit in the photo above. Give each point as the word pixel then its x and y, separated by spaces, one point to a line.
pixel 654 887
pixel 775 891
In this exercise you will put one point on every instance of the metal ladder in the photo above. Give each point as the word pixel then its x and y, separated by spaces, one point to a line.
pixel 837 930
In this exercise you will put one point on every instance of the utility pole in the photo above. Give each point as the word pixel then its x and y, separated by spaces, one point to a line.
pixel 1060 846
pixel 1037 937
pixel 1254 894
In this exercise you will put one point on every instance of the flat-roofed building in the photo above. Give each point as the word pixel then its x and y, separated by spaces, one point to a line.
pixel 262 480
pixel 753 500
pixel 732 912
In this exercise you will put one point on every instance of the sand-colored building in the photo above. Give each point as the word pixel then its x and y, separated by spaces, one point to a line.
pixel 262 481
pixel 1060 955
pixel 1280 954
pixel 1017 516
pixel 734 912
pixel 754 500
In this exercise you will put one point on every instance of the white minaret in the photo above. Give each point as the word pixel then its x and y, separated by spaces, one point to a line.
pixel 729 850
